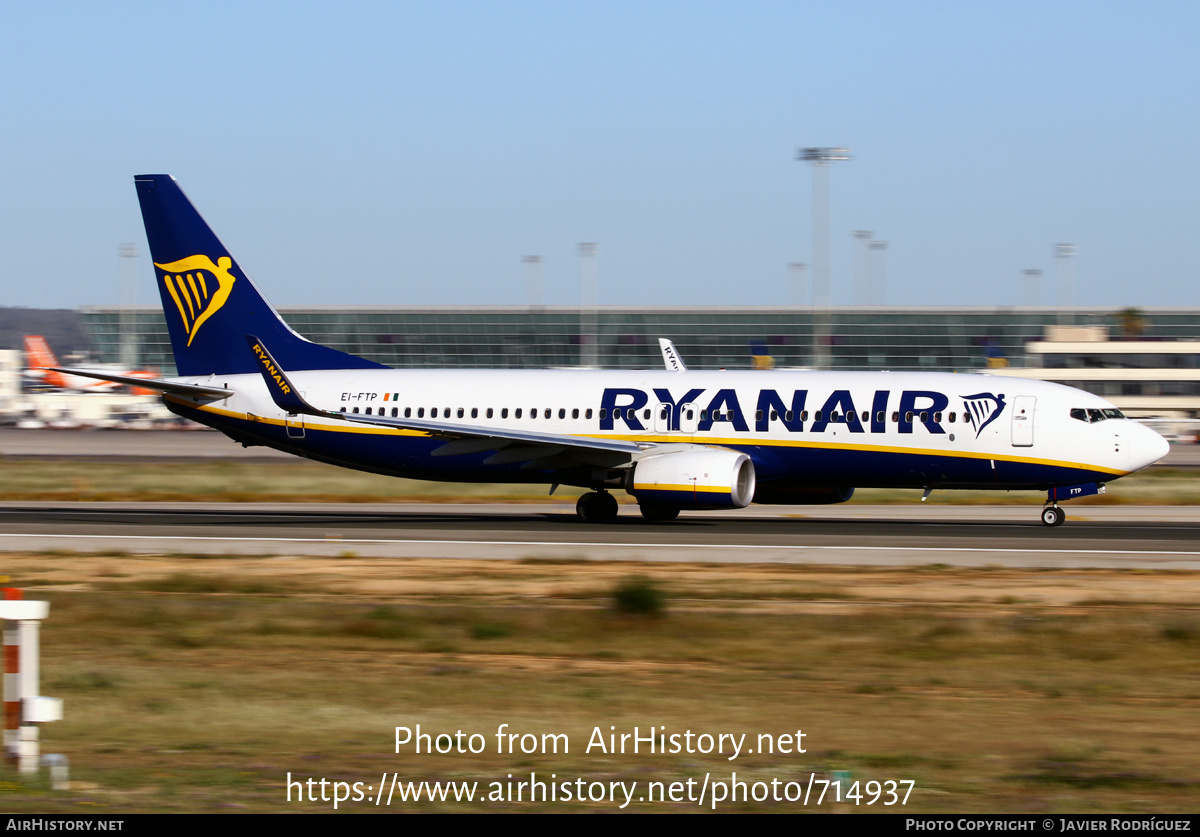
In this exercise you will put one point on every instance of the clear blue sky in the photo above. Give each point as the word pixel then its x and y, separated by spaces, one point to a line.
pixel 412 152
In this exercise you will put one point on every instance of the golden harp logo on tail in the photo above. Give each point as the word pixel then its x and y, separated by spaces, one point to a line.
pixel 198 287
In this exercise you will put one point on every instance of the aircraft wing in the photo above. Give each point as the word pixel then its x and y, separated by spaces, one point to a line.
pixel 160 384
pixel 512 445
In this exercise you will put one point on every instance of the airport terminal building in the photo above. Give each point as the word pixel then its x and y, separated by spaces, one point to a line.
pixel 1147 360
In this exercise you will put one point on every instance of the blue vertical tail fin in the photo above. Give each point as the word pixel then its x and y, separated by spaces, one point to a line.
pixel 209 303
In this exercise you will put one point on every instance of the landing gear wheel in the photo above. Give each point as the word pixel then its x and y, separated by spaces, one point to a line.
pixel 597 507
pixel 659 512
pixel 1053 516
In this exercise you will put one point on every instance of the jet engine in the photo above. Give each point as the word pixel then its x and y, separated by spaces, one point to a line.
pixel 698 478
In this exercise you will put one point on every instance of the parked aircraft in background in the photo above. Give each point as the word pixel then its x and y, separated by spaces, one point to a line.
pixel 678 439
pixel 41 367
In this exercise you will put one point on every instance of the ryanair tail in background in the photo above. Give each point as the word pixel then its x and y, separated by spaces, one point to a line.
pixel 209 303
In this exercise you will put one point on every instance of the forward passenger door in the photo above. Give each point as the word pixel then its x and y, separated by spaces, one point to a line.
pixel 1022 421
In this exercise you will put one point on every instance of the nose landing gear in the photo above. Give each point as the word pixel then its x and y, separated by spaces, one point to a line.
pixel 1053 515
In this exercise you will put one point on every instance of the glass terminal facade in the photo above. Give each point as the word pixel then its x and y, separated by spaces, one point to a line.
pixel 858 338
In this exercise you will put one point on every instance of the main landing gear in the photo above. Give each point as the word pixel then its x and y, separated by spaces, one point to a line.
pixel 658 512
pixel 1053 516
pixel 597 507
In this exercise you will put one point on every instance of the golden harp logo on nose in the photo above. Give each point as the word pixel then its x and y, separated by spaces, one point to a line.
pixel 198 287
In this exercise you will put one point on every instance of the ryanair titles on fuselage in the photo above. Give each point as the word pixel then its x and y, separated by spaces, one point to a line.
pixel 622 408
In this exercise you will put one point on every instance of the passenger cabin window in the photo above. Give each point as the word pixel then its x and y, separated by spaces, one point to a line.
pixel 517 413
pixel 504 413
pixel 879 417
pixel 547 413
pixel 489 412
pixel 395 411
pixel 562 414
pixel 603 413
pixel 575 413
pixel 356 409
pixel 474 412
pixel 460 412
pixel 787 416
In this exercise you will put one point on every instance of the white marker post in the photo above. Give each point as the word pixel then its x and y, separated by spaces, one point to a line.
pixel 24 708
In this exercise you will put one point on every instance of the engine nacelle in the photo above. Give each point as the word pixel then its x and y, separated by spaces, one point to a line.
pixel 700 478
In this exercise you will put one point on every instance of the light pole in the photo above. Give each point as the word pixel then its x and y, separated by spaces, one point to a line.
pixel 862 271
pixel 589 293
pixel 127 259
pixel 1033 287
pixel 1065 268
pixel 821 159
pixel 798 271
pixel 877 279
pixel 533 280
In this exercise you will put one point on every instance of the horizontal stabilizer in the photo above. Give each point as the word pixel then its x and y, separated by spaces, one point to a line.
pixel 176 387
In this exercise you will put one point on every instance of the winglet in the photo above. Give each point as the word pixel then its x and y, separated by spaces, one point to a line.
pixel 283 391
pixel 671 358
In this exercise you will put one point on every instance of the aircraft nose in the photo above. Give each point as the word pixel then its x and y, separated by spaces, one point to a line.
pixel 1146 447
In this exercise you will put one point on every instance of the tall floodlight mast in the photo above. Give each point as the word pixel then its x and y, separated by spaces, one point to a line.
pixel 821 159
pixel 877 272
pixel 589 301
pixel 1033 287
pixel 797 295
pixel 1065 268
pixel 862 270
pixel 533 280
pixel 127 349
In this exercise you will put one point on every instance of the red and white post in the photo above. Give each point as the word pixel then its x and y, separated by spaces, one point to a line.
pixel 24 708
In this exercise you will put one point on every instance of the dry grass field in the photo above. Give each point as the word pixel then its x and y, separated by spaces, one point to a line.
pixel 199 684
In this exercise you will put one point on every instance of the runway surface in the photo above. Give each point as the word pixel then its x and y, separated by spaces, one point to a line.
pixel 1094 536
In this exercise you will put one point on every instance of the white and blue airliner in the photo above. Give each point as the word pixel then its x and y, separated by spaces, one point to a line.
pixel 674 439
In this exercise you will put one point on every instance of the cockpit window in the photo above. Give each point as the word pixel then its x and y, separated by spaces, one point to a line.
pixel 1093 415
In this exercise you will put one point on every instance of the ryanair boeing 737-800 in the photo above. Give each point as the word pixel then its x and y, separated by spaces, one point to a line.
pixel 674 440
